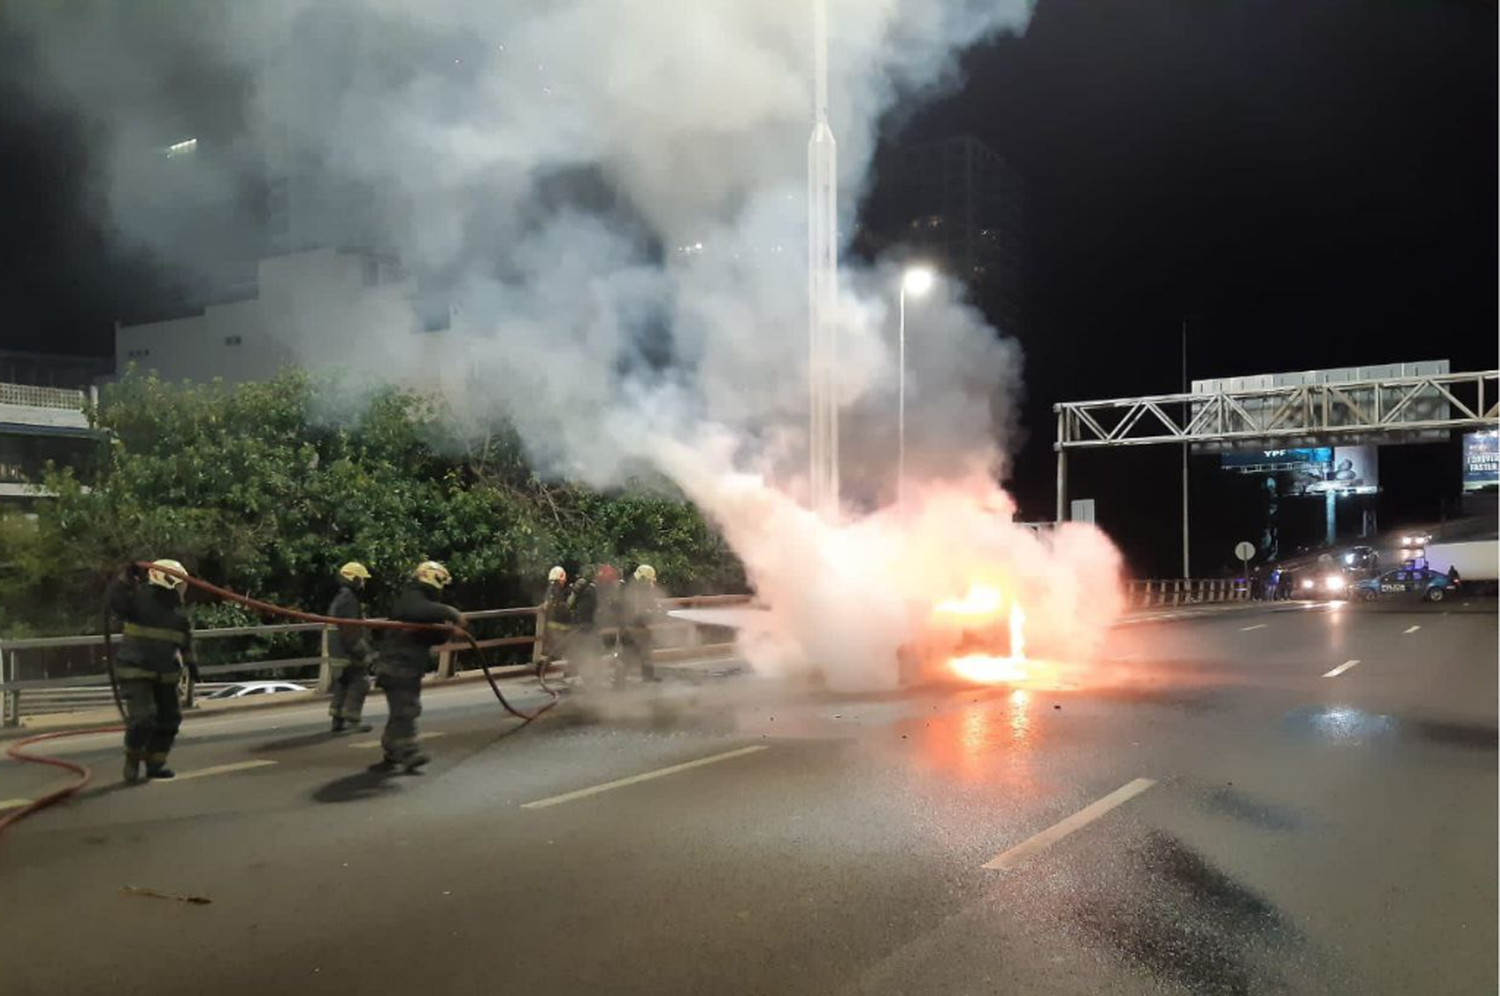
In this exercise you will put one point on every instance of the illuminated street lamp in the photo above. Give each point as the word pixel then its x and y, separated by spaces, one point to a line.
pixel 916 281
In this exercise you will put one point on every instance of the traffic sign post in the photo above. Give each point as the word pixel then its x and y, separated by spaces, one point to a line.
pixel 1245 551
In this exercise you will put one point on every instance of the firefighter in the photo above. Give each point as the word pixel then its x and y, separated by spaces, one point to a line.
pixel 557 620
pixel 591 605
pixel 349 652
pixel 157 643
pixel 639 610
pixel 406 655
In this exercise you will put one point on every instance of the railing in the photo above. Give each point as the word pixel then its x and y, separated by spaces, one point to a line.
pixel 1185 591
pixel 42 397
pixel 673 639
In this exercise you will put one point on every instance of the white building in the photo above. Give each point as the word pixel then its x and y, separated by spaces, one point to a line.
pixel 38 425
pixel 319 308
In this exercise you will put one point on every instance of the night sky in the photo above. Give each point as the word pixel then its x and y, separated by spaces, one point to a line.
pixel 1313 180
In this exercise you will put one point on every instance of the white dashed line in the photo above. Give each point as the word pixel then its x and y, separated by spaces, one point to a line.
pixel 1340 669
pixel 368 744
pixel 633 779
pixel 1246 629
pixel 1410 629
pixel 218 769
pixel 1079 820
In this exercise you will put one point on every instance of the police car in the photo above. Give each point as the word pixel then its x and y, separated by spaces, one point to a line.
pixel 1431 585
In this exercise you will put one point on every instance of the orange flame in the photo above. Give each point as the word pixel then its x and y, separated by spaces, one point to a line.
pixel 989 669
pixel 982 600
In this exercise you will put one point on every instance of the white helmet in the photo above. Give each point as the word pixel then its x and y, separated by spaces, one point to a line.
pixel 431 572
pixel 161 578
pixel 645 572
pixel 557 574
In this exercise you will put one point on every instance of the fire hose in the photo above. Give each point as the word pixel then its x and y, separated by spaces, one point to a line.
pixel 84 775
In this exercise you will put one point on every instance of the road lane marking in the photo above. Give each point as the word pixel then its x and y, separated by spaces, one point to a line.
pixel 1411 629
pixel 1088 814
pixel 633 779
pixel 367 744
pixel 1340 669
pixel 218 769
pixel 14 803
pixel 1246 629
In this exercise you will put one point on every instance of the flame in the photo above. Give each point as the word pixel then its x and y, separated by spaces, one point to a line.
pixel 982 600
pixel 990 669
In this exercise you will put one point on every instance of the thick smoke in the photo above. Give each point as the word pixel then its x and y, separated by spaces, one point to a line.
pixel 611 199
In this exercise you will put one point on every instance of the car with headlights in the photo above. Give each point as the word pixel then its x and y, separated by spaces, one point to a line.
pixel 1360 560
pixel 1429 585
pixel 1323 584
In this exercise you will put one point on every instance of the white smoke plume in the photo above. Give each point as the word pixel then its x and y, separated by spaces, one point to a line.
pixel 611 196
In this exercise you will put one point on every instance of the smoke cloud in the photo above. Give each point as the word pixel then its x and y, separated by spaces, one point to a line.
pixel 609 200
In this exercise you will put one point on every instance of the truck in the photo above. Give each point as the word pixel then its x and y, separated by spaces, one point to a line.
pixel 1478 563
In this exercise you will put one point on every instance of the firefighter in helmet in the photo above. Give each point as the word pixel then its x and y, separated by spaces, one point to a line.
pixel 640 609
pixel 349 651
pixel 591 606
pixel 557 620
pixel 157 644
pixel 406 655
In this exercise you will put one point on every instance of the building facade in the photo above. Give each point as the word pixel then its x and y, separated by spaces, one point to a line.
pixel 39 425
pixel 962 207
pixel 53 369
pixel 319 308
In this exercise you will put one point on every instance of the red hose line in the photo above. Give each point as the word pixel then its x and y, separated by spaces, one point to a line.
pixel 276 610
pixel 85 775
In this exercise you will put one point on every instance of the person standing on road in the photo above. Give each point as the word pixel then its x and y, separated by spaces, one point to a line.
pixel 157 644
pixel 594 605
pixel 349 652
pixel 640 610
pixel 557 620
pixel 406 655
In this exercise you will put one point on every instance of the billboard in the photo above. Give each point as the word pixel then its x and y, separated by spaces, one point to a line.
pixel 1313 470
pixel 1482 460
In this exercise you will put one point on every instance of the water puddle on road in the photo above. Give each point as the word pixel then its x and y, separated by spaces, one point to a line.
pixel 1347 726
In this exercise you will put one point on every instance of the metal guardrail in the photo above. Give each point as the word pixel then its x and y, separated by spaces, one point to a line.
pixel 1185 591
pixel 12 686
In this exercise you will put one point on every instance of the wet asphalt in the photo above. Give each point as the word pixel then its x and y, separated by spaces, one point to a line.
pixel 1302 834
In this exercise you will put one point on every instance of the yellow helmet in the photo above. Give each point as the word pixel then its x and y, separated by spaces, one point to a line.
pixel 433 573
pixel 354 571
pixel 645 572
pixel 557 574
pixel 161 578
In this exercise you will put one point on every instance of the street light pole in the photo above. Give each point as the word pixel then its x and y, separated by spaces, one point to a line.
pixel 901 410
pixel 918 280
pixel 1187 418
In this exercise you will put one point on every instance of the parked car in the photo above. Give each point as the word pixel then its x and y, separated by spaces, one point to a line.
pixel 242 689
pixel 1431 585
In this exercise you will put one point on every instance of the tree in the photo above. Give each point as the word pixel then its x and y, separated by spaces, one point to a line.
pixel 268 487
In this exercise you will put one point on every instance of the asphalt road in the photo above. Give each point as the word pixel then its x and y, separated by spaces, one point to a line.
pixel 1241 823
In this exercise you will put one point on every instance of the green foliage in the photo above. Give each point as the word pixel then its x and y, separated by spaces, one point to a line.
pixel 269 487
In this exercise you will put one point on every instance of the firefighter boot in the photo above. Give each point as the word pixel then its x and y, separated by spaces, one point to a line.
pixel 132 767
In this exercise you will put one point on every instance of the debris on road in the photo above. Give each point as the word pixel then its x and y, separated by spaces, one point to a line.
pixel 135 890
